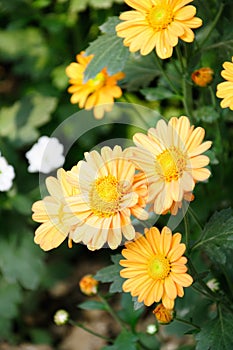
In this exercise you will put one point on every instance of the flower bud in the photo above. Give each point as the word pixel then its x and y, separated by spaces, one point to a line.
pixel 163 315
pixel 88 285
pixel 202 76
pixel 61 317
pixel 151 329
pixel 213 284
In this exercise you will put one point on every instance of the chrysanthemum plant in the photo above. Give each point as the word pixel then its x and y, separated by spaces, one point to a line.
pixel 166 55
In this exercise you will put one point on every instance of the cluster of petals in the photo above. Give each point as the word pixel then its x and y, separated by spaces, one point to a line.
pixel 93 202
pixel 97 93
pixel 56 224
pixel 45 155
pixel 225 89
pixel 171 157
pixel 155 268
pixel 157 24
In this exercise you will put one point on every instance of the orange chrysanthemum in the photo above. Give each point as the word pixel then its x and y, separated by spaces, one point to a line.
pixel 155 268
pixel 97 93
pixel 202 76
pixel 171 157
pixel 110 192
pixel 55 223
pixel 225 89
pixel 157 24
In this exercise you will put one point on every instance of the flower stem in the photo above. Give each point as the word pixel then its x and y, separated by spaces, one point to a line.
pixel 186 85
pixel 212 26
pixel 195 218
pixel 80 325
pixel 165 75
pixel 206 290
pixel 110 310
pixel 186 230
pixel 187 322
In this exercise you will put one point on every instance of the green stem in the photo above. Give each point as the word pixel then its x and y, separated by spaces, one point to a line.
pixel 80 325
pixel 186 85
pixel 127 98
pixel 214 46
pixel 213 24
pixel 186 230
pixel 212 96
pixel 110 310
pixel 165 75
pixel 203 285
pixel 195 218
pixel 187 322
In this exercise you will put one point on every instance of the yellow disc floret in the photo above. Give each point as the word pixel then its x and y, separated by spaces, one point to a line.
pixel 170 164
pixel 159 267
pixel 105 195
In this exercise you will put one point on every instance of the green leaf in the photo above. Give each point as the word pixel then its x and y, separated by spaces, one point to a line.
pixel 20 121
pixel 10 297
pixel 109 51
pixel 218 236
pixel 125 341
pixel 81 5
pixel 22 204
pixel 21 261
pixel 112 274
pixel 109 27
pixel 127 313
pixel 158 93
pixel 139 71
pixel 207 114
pixel 217 333
pixel 92 305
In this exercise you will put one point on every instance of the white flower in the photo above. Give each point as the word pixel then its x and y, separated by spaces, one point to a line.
pixel 45 155
pixel 7 174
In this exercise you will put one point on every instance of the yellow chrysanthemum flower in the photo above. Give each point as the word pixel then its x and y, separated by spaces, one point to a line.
pixel 110 191
pixel 171 157
pixel 225 89
pixel 97 93
pixel 155 268
pixel 55 223
pixel 157 24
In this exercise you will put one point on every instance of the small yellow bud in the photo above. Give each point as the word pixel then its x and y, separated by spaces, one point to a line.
pixel 88 285
pixel 61 317
pixel 163 315
pixel 202 76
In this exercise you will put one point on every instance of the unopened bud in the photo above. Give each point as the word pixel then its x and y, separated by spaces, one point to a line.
pixel 88 285
pixel 203 76
pixel 61 317
pixel 151 329
pixel 163 315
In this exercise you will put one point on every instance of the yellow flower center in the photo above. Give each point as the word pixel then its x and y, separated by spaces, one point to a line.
pixel 159 267
pixel 160 16
pixel 97 82
pixel 170 164
pixel 105 195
